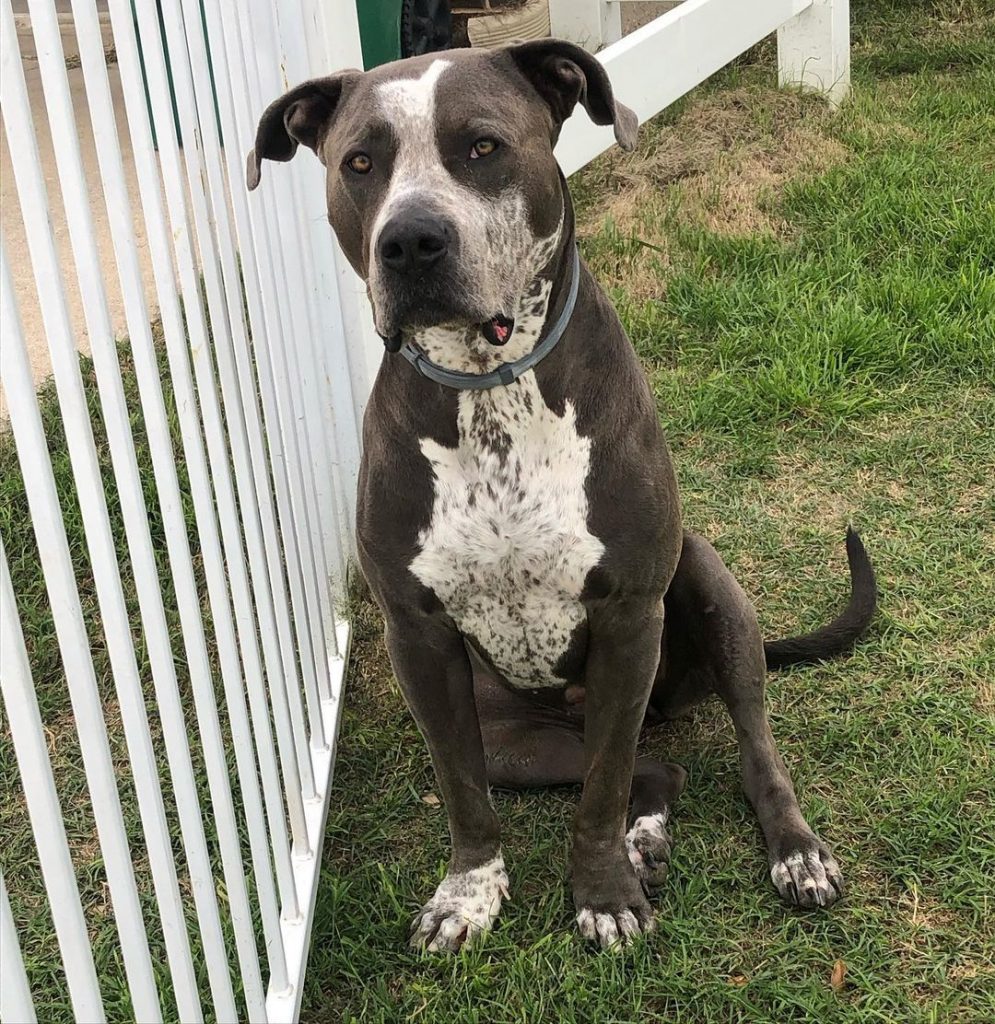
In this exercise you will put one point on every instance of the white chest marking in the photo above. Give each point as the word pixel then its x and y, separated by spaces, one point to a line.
pixel 508 548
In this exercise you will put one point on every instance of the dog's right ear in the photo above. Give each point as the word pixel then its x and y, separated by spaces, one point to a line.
pixel 301 116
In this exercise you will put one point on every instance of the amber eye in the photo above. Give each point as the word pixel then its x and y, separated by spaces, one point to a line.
pixel 482 147
pixel 360 163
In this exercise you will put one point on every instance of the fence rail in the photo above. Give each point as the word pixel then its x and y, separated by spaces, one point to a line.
pixel 696 38
pixel 192 556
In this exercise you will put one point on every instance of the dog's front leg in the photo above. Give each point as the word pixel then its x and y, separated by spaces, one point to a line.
pixel 433 669
pixel 623 655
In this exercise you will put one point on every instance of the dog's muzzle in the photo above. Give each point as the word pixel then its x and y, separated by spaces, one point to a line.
pixel 415 253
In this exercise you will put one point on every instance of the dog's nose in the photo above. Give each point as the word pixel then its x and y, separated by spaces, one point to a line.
pixel 413 245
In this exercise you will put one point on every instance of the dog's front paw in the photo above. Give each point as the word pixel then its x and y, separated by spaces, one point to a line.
pixel 648 846
pixel 808 875
pixel 612 928
pixel 465 905
pixel 613 911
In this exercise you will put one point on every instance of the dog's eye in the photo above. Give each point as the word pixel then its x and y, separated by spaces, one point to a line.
pixel 360 163
pixel 482 147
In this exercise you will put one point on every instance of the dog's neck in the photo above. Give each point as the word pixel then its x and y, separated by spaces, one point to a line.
pixel 465 349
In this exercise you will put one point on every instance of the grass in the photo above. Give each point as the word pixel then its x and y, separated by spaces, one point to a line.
pixel 813 297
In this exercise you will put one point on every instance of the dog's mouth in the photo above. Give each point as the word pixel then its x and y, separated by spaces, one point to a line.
pixel 497 330
pixel 392 342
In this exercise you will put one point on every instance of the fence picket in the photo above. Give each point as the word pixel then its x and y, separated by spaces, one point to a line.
pixel 260 46
pixel 46 519
pixel 15 995
pixel 31 750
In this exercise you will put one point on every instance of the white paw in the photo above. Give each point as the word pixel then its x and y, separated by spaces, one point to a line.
pixel 465 905
pixel 808 878
pixel 648 847
pixel 611 931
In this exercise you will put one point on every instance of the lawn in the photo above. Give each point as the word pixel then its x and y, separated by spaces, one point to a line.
pixel 813 296
pixel 814 300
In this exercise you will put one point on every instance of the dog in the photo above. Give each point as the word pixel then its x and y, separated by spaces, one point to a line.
pixel 518 518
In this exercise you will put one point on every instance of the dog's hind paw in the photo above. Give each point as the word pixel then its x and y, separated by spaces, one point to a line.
pixel 648 846
pixel 808 877
pixel 464 906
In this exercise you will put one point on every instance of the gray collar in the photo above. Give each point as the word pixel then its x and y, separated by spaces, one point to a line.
pixel 506 373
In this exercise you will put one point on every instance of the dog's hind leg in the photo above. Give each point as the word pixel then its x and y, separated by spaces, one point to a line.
pixel 713 641
pixel 656 785
pixel 529 746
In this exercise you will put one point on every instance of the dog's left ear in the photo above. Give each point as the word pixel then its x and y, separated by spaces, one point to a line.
pixel 564 75
pixel 301 116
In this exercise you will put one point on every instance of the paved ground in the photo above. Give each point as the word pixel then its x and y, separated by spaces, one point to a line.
pixel 13 227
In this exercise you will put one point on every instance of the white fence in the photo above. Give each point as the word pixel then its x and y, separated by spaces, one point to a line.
pixel 270 358
pixel 248 297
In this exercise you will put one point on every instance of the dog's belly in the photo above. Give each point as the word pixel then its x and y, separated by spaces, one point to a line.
pixel 507 550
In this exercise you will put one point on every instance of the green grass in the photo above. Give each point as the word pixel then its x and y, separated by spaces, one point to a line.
pixel 813 297
pixel 839 367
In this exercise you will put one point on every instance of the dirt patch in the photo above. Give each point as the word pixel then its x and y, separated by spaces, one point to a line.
pixel 986 697
pixel 803 494
pixel 926 913
pixel 720 166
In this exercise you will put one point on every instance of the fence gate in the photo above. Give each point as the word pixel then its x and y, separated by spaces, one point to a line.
pixel 177 516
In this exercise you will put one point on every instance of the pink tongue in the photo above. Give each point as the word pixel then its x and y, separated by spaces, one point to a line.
pixel 501 332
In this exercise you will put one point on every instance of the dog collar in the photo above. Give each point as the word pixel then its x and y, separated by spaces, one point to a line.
pixel 506 373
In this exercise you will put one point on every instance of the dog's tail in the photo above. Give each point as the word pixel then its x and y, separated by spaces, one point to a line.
pixel 842 633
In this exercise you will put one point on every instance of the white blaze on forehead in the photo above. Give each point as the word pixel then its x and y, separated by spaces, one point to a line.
pixel 408 104
pixel 411 101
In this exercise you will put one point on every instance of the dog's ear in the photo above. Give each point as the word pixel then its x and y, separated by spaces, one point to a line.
pixel 301 116
pixel 564 74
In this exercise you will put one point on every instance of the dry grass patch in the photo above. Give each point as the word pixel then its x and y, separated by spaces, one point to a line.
pixel 986 694
pixel 718 166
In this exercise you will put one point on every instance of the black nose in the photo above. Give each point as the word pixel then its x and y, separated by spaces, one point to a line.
pixel 413 244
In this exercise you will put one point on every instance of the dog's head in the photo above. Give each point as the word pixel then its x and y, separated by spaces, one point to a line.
pixel 441 183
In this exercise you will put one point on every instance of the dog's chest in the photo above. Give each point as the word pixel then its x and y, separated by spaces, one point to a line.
pixel 508 548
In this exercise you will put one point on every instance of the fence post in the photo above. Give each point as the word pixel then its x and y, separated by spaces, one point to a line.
pixel 813 50
pixel 592 24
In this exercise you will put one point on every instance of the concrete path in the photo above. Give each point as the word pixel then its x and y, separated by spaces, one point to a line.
pixel 13 226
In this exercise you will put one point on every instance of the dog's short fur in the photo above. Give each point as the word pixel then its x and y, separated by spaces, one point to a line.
pixel 525 543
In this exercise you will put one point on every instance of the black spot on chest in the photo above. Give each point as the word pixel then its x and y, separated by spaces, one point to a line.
pixel 486 431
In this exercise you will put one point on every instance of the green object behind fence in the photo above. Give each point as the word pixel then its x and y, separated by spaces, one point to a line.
pixel 379 30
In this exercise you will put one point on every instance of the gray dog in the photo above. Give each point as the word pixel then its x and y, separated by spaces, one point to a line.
pixel 518 517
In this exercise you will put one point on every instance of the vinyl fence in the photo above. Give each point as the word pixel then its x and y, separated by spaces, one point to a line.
pixel 252 312
pixel 206 749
